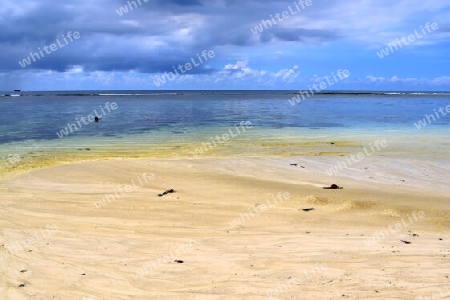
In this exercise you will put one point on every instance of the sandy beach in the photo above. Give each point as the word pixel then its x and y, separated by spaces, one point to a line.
pixel 224 150
pixel 234 228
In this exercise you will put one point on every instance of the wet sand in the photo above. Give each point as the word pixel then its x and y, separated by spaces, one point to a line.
pixel 236 223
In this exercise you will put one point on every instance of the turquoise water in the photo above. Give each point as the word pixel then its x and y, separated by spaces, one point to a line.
pixel 31 122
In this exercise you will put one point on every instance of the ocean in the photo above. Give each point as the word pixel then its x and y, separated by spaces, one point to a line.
pixel 39 126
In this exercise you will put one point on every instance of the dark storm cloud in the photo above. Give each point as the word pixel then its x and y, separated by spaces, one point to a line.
pixel 150 38
pixel 38 25
pixel 298 35
pixel 182 2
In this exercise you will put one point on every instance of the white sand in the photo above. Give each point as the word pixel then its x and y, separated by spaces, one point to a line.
pixel 97 253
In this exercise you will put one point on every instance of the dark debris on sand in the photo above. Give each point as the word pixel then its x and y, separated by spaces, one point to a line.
pixel 295 165
pixel 167 192
pixel 333 187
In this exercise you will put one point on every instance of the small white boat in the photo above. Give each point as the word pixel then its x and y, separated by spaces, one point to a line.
pixel 16 93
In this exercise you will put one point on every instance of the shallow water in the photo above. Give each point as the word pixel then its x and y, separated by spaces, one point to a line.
pixel 168 124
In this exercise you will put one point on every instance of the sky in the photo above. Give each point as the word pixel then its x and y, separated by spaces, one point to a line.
pixel 401 45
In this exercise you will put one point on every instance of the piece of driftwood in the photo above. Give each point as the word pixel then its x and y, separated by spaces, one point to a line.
pixel 167 192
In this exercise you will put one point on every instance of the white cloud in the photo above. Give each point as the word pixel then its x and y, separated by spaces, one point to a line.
pixel 133 23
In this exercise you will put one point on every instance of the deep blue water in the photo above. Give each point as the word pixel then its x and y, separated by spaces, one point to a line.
pixel 39 115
